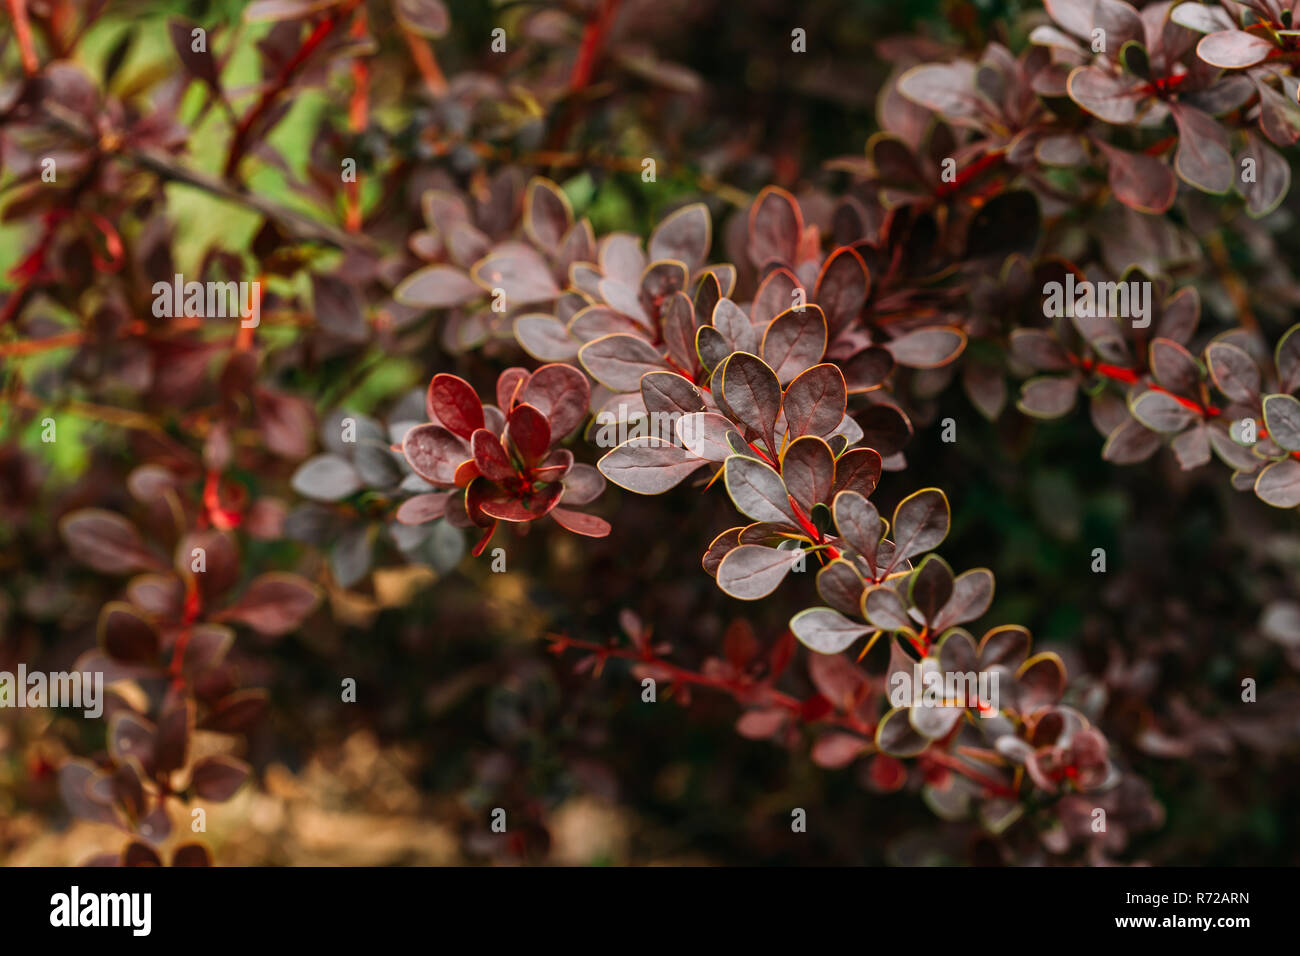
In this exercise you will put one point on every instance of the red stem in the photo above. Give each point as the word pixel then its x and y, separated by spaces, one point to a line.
pixel 985 162
pixel 593 39
pixel 742 691
pixel 358 119
pixel 23 33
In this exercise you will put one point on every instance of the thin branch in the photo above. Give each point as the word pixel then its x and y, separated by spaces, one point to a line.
pixel 23 33
pixel 239 144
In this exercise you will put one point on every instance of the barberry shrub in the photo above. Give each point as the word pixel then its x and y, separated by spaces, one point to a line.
pixel 463 350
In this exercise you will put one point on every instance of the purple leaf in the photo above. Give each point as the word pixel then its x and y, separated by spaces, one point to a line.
pixel 275 603
pixel 775 228
pixel 648 465
pixel 1279 484
pixel 685 236
pixel 825 630
pixel 326 478
pixel 437 287
pixel 751 390
pixel 1140 182
pixel 519 271
pixel 1202 159
pixel 1048 396
pixel 794 341
pixel 757 491
pixel 545 338
pixel 1234 49
pixel 808 470
pixel 752 571
pixel 547 213
pixel 106 542
pixel 1162 413
pixel 618 361
pixel 927 348
pixel 814 403
pixel 920 523
pixel 1105 95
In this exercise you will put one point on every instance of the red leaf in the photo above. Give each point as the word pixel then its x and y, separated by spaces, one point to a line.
pixel 529 433
pixel 454 403
pixel 581 523
pixel 490 457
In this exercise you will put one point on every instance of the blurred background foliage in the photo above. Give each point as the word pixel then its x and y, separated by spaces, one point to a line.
pixel 460 707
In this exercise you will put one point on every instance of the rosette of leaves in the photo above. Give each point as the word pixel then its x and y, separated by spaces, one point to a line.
pixel 985 741
pixel 487 264
pixel 351 485
pixel 504 457
pixel 1142 74
pixel 1059 748
pixel 963 776
pixel 1003 99
pixel 787 253
pixel 1258 44
pixel 1024 683
pixel 1088 351
pixel 784 453
pixel 1175 401
pixel 864 558
pixel 633 306
pixel 1256 431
